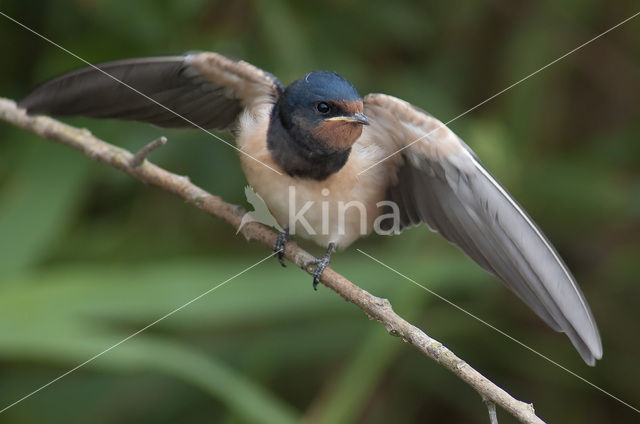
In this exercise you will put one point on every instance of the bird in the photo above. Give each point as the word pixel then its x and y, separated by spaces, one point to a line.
pixel 333 166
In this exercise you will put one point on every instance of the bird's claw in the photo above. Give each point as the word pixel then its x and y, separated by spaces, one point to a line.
pixel 321 264
pixel 278 246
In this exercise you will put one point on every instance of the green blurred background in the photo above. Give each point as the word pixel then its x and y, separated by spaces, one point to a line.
pixel 89 255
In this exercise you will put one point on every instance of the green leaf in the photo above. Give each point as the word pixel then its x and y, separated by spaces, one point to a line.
pixel 37 203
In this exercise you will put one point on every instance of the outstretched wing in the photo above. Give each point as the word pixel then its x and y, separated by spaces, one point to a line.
pixel 205 89
pixel 440 182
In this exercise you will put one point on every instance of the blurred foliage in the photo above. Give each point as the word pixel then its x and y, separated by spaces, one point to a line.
pixel 88 255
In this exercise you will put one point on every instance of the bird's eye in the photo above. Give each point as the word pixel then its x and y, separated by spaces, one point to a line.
pixel 322 107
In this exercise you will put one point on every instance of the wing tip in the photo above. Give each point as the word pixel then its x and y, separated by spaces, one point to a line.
pixel 589 346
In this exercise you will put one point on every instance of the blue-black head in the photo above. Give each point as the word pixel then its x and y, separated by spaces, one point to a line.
pixel 323 111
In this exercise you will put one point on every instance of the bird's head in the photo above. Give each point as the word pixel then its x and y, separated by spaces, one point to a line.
pixel 323 111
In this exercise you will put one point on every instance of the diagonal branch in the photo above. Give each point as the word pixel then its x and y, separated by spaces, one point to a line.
pixel 374 307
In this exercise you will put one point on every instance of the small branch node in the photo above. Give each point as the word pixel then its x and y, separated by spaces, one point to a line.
pixel 493 414
pixel 142 154
pixel 383 303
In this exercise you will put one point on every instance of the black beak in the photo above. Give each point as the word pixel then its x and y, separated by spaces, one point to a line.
pixel 356 118
pixel 361 118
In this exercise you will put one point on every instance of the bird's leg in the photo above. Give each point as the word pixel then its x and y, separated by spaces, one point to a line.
pixel 281 241
pixel 321 263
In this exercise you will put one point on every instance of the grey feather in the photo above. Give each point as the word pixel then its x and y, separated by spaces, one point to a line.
pixel 447 188
pixel 164 91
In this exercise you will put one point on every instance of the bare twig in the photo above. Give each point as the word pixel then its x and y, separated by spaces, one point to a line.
pixel 373 306
pixel 142 154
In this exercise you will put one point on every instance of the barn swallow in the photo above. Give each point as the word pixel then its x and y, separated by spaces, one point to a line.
pixel 314 139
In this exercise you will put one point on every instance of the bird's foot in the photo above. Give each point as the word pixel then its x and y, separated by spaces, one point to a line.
pixel 281 241
pixel 321 263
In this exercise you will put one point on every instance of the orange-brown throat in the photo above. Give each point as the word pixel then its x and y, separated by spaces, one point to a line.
pixel 340 134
